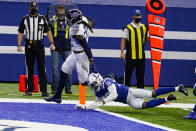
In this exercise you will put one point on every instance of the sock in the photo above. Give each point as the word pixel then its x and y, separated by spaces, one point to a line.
pixel 155 102
pixel 194 109
pixel 164 90
pixel 63 77
pixel 85 84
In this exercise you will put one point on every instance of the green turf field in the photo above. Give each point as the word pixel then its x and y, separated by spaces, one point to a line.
pixel 169 117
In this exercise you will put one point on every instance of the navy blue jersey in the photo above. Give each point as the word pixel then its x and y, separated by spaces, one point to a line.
pixel 122 90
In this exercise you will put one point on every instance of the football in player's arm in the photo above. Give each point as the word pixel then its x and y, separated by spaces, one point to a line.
pixel 107 90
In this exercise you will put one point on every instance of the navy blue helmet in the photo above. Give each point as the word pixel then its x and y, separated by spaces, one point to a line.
pixel 74 16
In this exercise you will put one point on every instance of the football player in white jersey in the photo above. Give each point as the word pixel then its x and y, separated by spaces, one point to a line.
pixel 108 89
pixel 81 56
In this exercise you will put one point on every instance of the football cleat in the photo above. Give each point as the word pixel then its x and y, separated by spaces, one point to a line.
pixel 27 93
pixel 171 97
pixel 183 89
pixel 53 99
pixel 191 115
pixel 45 94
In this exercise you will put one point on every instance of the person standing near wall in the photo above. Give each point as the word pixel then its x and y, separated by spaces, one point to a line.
pixel 35 26
pixel 60 30
pixel 134 38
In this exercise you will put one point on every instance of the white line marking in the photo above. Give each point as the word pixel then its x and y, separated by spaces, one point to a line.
pixel 156 37
pixel 156 49
pixel 158 62
pixel 161 26
pixel 107 53
pixel 35 126
pixel 136 120
pixel 170 105
pixel 114 33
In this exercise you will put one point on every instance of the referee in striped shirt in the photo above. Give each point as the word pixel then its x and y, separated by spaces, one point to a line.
pixel 134 38
pixel 34 26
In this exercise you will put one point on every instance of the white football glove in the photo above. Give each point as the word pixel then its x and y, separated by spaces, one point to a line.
pixel 80 107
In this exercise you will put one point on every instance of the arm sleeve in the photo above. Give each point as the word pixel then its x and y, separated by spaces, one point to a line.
pixel 46 26
pixel 21 27
pixel 125 33
pixel 112 94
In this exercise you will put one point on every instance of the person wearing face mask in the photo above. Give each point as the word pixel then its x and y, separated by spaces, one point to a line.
pixel 34 25
pixel 60 31
pixel 134 38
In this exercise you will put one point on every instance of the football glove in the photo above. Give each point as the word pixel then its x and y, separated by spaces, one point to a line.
pixel 80 107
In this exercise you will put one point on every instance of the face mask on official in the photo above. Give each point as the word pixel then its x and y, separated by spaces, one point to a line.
pixel 137 20
pixel 33 11
pixel 60 13
pixel 95 81
pixel 61 17
pixel 33 8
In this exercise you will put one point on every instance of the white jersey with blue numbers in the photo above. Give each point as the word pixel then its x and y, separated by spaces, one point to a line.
pixel 79 29
pixel 110 90
pixel 122 90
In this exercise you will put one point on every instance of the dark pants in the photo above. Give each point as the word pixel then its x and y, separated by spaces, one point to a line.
pixel 55 64
pixel 32 51
pixel 140 69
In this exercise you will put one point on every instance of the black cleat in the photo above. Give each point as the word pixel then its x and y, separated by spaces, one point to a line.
pixel 27 93
pixel 171 97
pixel 68 91
pixel 183 89
pixel 53 92
pixel 53 99
pixel 45 94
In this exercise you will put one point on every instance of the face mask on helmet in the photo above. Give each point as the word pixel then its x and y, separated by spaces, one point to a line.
pixel 95 81
pixel 74 16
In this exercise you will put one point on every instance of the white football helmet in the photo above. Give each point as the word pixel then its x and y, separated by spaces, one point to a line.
pixel 95 81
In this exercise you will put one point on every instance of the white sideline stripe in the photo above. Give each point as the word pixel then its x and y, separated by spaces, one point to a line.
pixel 107 53
pixel 136 120
pixel 170 105
pixel 114 33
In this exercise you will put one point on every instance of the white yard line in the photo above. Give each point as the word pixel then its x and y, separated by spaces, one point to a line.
pixel 170 105
pixel 137 121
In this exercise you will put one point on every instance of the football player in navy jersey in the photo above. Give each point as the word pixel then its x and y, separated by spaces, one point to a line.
pixel 107 90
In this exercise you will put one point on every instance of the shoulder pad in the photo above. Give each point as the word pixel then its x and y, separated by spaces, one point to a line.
pixel 107 82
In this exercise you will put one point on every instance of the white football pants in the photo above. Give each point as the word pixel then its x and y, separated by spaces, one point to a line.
pixel 79 62
pixel 135 97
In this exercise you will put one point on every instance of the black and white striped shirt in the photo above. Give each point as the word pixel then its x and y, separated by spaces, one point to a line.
pixel 34 27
